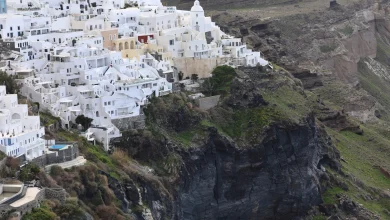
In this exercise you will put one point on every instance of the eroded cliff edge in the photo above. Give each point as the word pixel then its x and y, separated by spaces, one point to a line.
pixel 260 154
pixel 279 177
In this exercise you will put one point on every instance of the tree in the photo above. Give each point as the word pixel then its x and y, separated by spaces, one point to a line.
pixel 29 172
pixel 4 49
pixel 40 213
pixel 84 121
pixel 208 86
pixel 181 74
pixel 194 78
pixel 69 210
pixel 10 82
pixel 219 83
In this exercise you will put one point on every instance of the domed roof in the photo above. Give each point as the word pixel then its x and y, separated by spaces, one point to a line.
pixel 197 6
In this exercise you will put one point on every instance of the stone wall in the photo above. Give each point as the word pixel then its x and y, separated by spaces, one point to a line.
pixel 208 102
pixel 56 193
pixel 137 122
pixel 202 67
pixel 45 193
pixel 6 209
pixel 58 157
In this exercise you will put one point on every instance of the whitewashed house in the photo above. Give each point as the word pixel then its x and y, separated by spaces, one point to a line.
pixel 101 60
pixel 20 134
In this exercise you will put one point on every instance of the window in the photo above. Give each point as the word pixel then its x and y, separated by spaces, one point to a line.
pixel 18 27
pixel 109 103
pixel 10 28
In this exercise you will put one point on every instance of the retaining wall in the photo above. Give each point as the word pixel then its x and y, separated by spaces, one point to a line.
pixel 58 156
pixel 45 193
pixel 202 67
pixel 208 102
pixel 137 122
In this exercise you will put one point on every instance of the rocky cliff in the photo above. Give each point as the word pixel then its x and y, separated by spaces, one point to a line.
pixel 255 156
pixel 279 177
pixel 309 139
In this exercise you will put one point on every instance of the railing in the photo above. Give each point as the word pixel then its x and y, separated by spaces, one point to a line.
pixel 28 9
pixel 26 47
pixel 15 39
pixel 39 142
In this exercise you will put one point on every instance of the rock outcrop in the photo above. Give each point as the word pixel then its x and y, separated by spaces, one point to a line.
pixel 279 177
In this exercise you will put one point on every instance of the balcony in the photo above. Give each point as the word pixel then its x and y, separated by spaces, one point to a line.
pixel 38 143
pixel 15 39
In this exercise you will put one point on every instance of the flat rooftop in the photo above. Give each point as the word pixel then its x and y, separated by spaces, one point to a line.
pixel 31 193
pixel 6 195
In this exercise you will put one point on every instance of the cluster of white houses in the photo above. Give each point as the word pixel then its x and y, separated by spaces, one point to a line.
pixel 20 134
pixel 103 59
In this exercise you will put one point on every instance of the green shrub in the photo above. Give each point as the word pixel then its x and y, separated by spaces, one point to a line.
pixel 40 213
pixel 10 82
pixel 347 30
pixel 328 48
pixel 219 83
pixel 29 172
pixel 56 170
pixel 84 121
pixel 69 210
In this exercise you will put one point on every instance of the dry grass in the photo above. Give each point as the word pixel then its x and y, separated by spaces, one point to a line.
pixel 120 156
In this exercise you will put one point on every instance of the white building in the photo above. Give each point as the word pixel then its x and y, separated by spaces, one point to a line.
pixel 20 134
pixel 62 59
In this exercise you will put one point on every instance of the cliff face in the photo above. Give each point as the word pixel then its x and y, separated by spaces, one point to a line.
pixel 323 49
pixel 260 154
pixel 277 178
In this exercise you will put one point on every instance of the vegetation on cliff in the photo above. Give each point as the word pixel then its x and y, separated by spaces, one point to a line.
pixel 150 164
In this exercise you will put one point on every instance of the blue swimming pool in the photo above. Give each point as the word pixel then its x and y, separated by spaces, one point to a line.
pixel 58 147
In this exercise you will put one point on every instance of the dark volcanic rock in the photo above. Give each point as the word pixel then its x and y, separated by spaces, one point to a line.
pixel 244 31
pixel 244 93
pixel 351 208
pixel 333 4
pixel 278 178
pixel 309 80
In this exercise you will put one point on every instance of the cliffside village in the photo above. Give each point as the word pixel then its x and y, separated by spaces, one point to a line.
pixel 101 59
